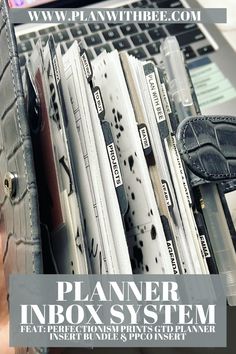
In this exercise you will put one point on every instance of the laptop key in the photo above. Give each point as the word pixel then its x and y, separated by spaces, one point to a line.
pixel 113 24
pixel 129 28
pixel 111 34
pixel 62 26
pixel 189 37
pixel 27 36
pixel 142 3
pixel 93 40
pixel 174 29
pixel 78 31
pixel 146 26
pixel 169 4
pixel 61 36
pixel 154 48
pixel 138 53
pixel 43 40
pixel 47 30
pixel 139 39
pixel 121 44
pixel 103 47
pixel 188 52
pixel 205 50
pixel 24 47
pixel 157 33
pixel 95 27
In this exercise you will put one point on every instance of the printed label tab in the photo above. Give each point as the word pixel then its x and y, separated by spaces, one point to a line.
pixel 144 137
pixel 114 165
pixel 155 97
pixel 172 257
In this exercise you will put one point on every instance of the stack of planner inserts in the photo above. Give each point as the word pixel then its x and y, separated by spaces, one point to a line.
pixel 115 196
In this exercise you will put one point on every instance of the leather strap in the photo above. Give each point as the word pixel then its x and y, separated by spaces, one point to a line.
pixel 207 145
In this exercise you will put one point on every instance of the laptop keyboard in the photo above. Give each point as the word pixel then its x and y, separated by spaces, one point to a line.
pixel 140 39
